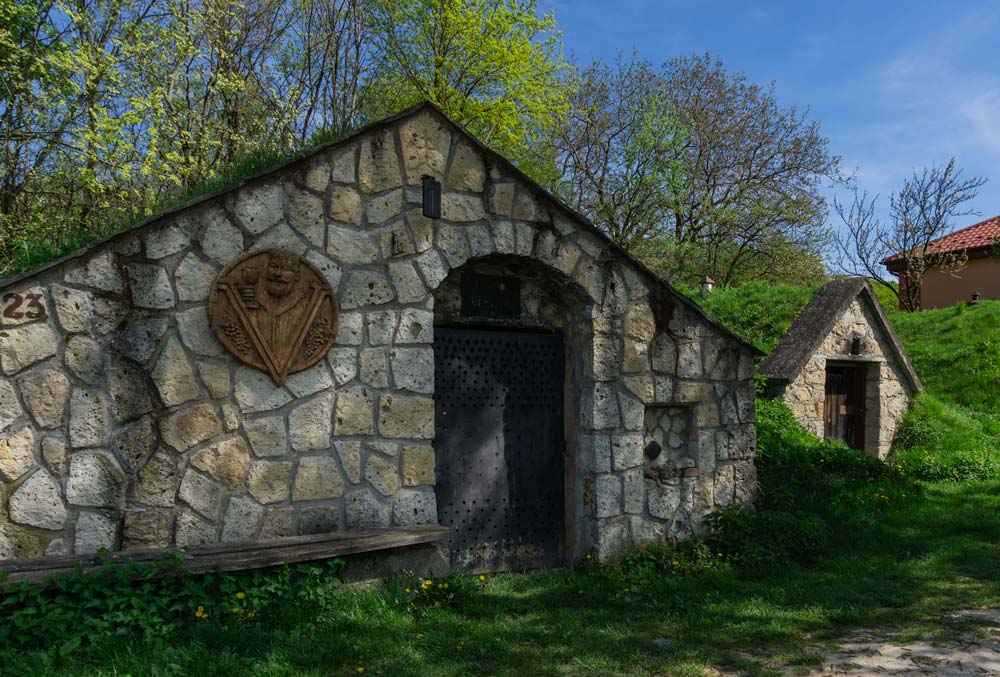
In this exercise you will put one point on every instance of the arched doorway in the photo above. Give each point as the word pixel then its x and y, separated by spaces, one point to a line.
pixel 505 391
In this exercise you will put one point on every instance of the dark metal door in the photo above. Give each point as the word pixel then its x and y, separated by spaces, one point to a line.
pixel 844 405
pixel 499 446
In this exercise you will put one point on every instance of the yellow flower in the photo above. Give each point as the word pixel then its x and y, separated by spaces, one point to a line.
pixel 588 555
pixel 440 586
pixel 482 578
pixel 676 563
pixel 360 669
pixel 445 586
pixel 407 590
pixel 240 595
pixel 236 610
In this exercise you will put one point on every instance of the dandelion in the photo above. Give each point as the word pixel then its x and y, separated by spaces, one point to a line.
pixel 360 669
pixel 588 555
pixel 407 590
pixel 440 586
pixel 482 578
pixel 236 610
pixel 445 586
pixel 675 563
pixel 241 595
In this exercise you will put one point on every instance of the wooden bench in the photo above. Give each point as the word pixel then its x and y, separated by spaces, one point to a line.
pixel 233 556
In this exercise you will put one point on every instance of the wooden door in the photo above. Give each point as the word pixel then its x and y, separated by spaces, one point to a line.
pixel 844 405
pixel 499 446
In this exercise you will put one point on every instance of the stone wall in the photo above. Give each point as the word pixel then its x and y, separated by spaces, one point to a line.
pixel 887 389
pixel 124 423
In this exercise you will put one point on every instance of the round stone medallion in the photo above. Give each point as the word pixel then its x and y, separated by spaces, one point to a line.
pixel 274 311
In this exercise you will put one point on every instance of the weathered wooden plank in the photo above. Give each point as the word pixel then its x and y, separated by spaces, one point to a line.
pixel 234 556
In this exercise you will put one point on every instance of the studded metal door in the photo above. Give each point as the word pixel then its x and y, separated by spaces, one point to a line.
pixel 499 446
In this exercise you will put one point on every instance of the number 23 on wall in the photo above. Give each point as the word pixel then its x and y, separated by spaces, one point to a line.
pixel 15 307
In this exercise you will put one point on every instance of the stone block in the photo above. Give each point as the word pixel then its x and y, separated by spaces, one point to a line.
pixel 663 498
pixel 425 147
pixel 432 267
pixel 242 521
pixel 140 338
pixel 267 436
pixel 366 288
pixel 725 486
pixel 406 416
pixel 381 325
pixel 460 208
pixel 381 208
pixel 147 529
pixel 150 286
pixel 268 480
pixel 88 418
pixel 134 443
pixel 221 241
pixel 374 368
pixel 226 461
pixel 216 379
pixel 193 530
pixel 626 451
pixel 411 506
pixel 256 392
pixel 382 474
pixel 94 532
pixel 277 523
pixel 415 326
pixel 258 207
pixel 320 519
pixel 607 495
pixel 599 407
pixel 98 271
pixel 189 427
pixel 157 481
pixel 194 279
pixel 349 452
pixel 54 453
pixel 129 391
pixel 344 362
pixel 95 480
pixel 309 381
pixel 378 166
pixel 634 491
pixel 365 511
pixel 311 424
pixel 355 412
pixel 85 359
pixel 21 347
pixel 74 308
pixel 317 478
pixel 418 465
pixel 467 171
pixel 351 246
pixel 202 494
pixel 413 369
pixel 45 392
pixel 305 215
pixel 500 198
pixel 407 283
pixel 173 375
pixel 38 503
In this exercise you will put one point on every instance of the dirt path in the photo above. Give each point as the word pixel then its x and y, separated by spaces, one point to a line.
pixel 970 645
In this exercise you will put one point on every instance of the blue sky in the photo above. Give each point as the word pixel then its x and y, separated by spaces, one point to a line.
pixel 894 85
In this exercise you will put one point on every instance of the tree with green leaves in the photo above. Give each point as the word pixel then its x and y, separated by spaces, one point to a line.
pixel 495 66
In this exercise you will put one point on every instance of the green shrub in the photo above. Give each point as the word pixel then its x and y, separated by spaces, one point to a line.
pixel 157 600
pixel 763 537
pixel 686 558
pixel 941 441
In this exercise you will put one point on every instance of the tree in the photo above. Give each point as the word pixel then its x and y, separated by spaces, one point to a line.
pixel 495 66
pixel 742 189
pixel 620 151
pixel 922 211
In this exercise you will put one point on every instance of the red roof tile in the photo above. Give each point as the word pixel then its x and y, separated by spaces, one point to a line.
pixel 983 234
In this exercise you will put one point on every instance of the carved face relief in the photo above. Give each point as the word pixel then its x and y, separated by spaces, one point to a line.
pixel 274 311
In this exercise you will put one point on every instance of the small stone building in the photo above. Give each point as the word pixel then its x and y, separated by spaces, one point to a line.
pixel 841 368
pixel 397 328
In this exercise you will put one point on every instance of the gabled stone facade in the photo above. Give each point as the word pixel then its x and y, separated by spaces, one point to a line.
pixel 125 424
pixel 844 325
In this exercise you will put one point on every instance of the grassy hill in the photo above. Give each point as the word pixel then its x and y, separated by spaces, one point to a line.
pixel 953 429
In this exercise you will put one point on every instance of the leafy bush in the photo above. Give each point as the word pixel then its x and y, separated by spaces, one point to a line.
pixel 767 536
pixel 940 441
pixel 688 557
pixel 156 600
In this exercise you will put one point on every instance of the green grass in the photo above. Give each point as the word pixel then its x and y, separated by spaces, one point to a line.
pixel 956 352
pixel 897 554
pixel 27 250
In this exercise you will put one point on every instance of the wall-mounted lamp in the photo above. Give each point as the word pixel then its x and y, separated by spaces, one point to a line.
pixel 431 197
pixel 707 285
pixel 975 298
pixel 856 344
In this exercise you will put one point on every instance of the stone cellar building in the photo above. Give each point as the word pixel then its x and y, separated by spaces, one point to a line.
pixel 841 368
pixel 397 328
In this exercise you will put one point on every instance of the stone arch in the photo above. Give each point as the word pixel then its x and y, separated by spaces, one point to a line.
pixel 550 301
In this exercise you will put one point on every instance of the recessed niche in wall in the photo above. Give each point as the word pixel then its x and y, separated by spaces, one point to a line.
pixel 667 432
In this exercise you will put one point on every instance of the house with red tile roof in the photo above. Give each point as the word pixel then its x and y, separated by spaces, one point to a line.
pixel 981 273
